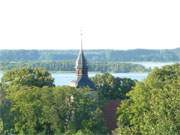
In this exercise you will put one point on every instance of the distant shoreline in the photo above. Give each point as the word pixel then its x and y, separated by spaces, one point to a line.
pixel 132 55
pixel 58 67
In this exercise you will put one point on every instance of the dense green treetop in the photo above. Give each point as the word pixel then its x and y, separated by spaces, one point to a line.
pixel 31 105
pixel 112 88
pixel 48 111
pixel 28 76
pixel 153 107
pixel 164 76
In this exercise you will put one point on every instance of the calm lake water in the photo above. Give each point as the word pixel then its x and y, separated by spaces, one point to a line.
pixel 63 78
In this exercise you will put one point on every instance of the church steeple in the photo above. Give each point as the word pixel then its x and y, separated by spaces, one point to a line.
pixel 82 70
pixel 81 63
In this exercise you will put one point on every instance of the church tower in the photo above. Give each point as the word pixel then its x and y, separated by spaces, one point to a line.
pixel 81 68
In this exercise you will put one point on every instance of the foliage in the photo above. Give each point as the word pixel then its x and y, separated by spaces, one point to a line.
pixel 69 66
pixel 110 87
pixel 31 105
pixel 1 94
pixel 48 110
pixel 92 55
pixel 1 101
pixel 153 107
pixel 28 76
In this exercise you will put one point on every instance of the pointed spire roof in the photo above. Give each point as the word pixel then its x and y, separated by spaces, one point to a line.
pixel 82 79
pixel 81 60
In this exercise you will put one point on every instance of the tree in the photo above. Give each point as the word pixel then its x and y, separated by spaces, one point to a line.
pixel 101 66
pixel 31 106
pixel 52 110
pixel 28 77
pixel 1 94
pixel 110 87
pixel 1 101
pixel 153 106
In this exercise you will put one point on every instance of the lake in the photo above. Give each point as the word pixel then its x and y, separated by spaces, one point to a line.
pixel 63 78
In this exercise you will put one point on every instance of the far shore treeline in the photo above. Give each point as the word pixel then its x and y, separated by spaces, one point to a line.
pixel 99 60
pixel 54 66
pixel 163 55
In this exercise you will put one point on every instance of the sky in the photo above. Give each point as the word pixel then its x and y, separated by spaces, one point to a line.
pixel 106 24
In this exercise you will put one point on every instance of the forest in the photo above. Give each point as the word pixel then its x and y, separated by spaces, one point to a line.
pixel 163 55
pixel 115 67
pixel 116 61
pixel 30 104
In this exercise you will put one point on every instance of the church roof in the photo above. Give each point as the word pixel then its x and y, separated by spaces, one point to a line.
pixel 81 60
pixel 83 81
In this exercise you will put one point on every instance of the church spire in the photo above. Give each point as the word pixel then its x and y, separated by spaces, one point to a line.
pixel 82 79
pixel 81 62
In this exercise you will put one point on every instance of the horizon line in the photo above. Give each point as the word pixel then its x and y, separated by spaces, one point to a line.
pixel 94 49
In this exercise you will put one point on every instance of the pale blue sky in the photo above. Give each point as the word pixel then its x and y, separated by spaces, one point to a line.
pixel 106 24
